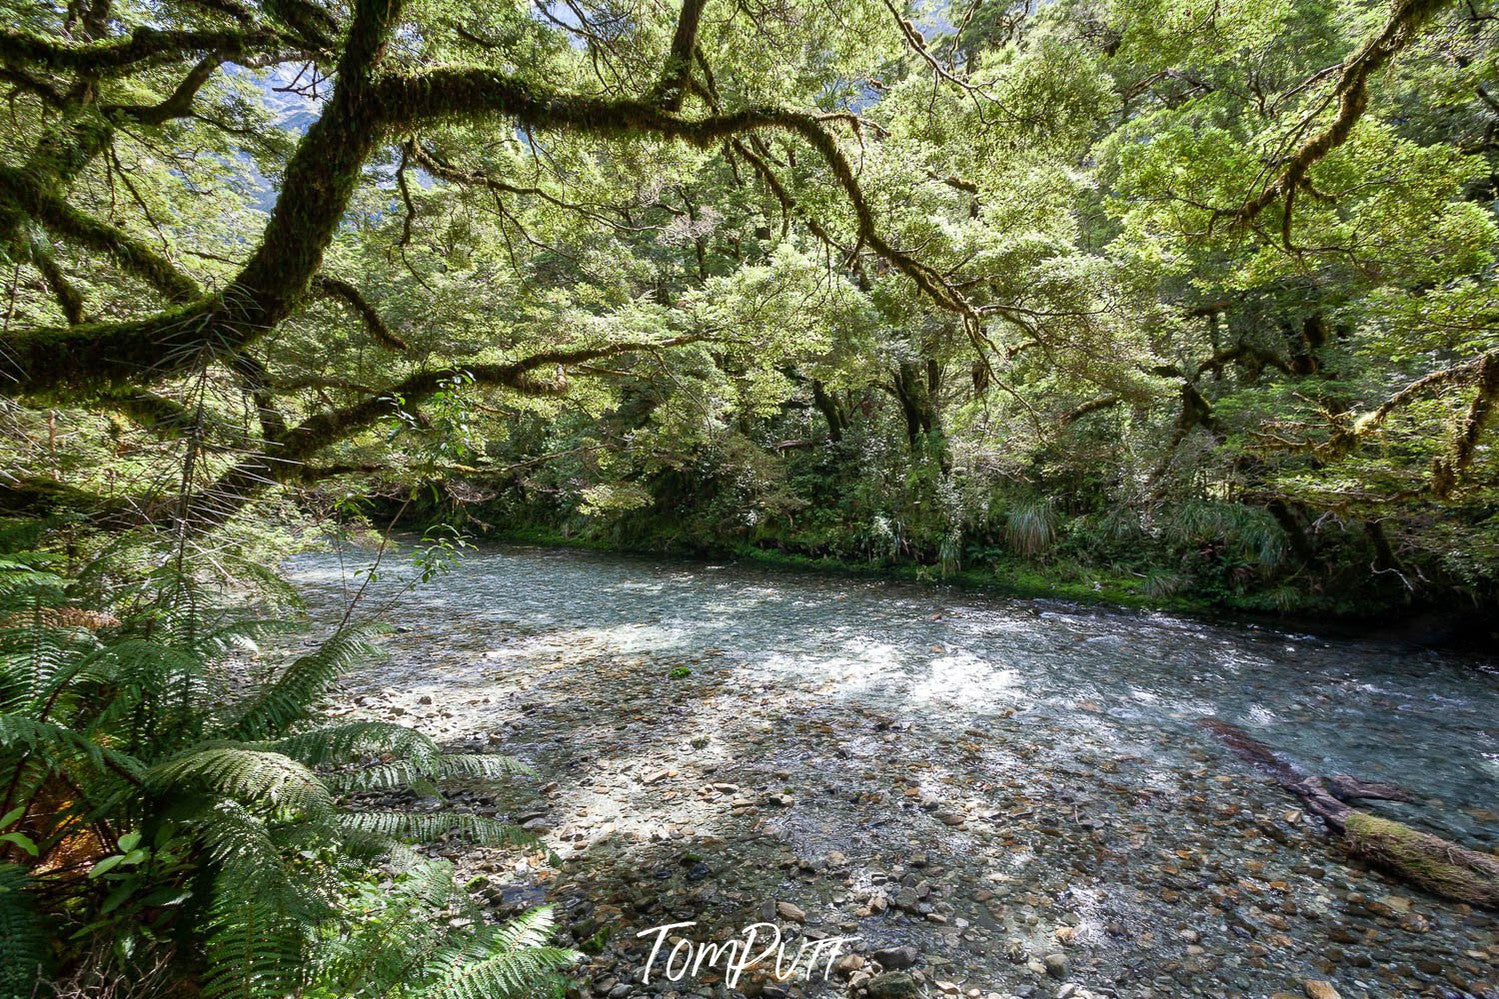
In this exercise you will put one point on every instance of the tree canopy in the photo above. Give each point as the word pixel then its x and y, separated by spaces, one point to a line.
pixel 1195 295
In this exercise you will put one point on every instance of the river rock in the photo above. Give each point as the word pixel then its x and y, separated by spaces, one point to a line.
pixel 1319 990
pixel 895 958
pixel 893 985
pixel 848 964
pixel 1057 965
pixel 791 913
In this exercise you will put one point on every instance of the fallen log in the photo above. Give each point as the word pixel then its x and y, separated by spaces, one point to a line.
pixel 1420 858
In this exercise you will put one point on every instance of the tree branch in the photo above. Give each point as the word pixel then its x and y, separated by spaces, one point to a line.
pixel 143 46
pixel 676 75
pixel 1352 94
pixel 382 334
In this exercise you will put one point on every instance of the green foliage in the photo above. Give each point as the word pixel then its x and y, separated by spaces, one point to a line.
pixel 902 278
pixel 23 934
pixel 156 799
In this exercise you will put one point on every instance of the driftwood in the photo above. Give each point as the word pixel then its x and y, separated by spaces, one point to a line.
pixel 1426 861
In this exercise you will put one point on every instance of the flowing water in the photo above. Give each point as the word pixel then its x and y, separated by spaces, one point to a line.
pixel 1018 789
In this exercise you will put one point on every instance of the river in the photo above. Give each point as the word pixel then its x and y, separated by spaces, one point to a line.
pixel 1015 788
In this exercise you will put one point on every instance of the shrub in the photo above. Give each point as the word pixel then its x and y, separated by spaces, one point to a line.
pixel 160 810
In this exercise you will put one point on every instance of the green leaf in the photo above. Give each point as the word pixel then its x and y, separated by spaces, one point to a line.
pixel 106 865
pixel 20 839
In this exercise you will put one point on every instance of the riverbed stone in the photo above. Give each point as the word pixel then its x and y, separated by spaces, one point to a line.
pixel 896 958
pixel 893 985
pixel 791 912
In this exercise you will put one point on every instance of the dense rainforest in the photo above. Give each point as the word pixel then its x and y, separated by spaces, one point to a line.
pixel 1161 300
pixel 1164 302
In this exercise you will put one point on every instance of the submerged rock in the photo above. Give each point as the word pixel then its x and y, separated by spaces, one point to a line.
pixel 895 958
pixel 893 985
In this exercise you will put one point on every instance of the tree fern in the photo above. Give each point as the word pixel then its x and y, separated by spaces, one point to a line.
pixel 205 809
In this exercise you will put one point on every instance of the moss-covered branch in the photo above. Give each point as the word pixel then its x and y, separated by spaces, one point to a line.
pixel 365 107
pixel 325 428
pixel 318 183
pixel 379 331
pixel 73 226
pixel 287 454
pixel 410 99
pixel 1352 95
pixel 142 47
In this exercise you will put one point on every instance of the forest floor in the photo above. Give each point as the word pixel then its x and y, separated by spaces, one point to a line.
pixel 1033 855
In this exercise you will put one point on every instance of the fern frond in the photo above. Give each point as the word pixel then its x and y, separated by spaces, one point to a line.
pixel 33 655
pixel 414 828
pixel 24 586
pixel 517 973
pixel 254 950
pixel 372 848
pixel 397 929
pixel 532 928
pixel 243 636
pixel 409 773
pixel 236 840
pixel 23 935
pixel 290 697
pixel 336 745
pixel 248 776
pixel 62 748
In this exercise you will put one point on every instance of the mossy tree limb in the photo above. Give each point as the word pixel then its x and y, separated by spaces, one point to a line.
pixel 1420 858
pixel 1427 861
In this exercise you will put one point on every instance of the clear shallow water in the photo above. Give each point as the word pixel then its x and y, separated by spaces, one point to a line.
pixel 1044 758
pixel 1422 719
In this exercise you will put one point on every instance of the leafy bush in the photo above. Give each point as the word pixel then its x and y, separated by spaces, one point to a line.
pixel 158 809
